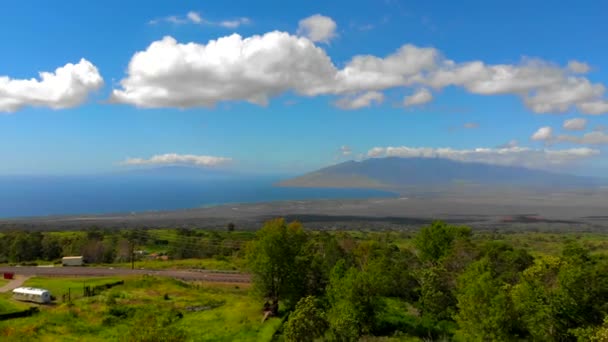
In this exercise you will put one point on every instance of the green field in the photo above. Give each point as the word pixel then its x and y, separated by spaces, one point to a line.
pixel 142 305
pixel 227 264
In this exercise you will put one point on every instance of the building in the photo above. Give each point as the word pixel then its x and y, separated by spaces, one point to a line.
pixel 30 294
pixel 72 261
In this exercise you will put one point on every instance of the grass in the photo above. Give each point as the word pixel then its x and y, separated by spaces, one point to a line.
pixel 229 264
pixel 60 286
pixel 228 312
pixel 3 282
pixel 7 304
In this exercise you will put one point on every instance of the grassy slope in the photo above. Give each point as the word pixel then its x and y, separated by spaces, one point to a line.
pixel 235 315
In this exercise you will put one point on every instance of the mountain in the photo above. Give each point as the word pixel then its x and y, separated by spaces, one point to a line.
pixel 398 173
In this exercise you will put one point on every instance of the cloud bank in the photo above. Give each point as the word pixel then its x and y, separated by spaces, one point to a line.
pixel 180 159
pixel 508 156
pixel 68 86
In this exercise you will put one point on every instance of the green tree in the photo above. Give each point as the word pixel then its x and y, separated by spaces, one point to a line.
pixel 279 260
pixel 435 242
pixel 354 303
pixel 307 322
pixel 560 295
pixel 51 247
pixel 436 301
pixel 485 310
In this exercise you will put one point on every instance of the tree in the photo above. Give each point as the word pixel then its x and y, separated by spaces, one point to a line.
pixel 354 303
pixel 559 295
pixel 230 227
pixel 306 322
pixel 326 252
pixel 434 242
pixel 279 261
pixel 436 302
pixel 485 309
pixel 51 247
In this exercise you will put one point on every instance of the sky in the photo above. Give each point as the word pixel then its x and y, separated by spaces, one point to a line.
pixel 259 86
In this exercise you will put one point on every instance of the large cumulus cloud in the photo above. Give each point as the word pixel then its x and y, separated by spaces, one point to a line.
pixel 254 69
pixel 68 86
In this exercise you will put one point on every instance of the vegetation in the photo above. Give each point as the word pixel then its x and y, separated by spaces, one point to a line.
pixel 443 282
pixel 143 309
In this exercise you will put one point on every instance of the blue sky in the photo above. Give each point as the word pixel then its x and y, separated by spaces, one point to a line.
pixel 486 77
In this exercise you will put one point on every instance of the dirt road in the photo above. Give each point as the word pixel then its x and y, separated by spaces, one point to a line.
pixel 14 283
pixel 200 275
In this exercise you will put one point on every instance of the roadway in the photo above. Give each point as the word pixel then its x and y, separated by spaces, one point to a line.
pixel 86 271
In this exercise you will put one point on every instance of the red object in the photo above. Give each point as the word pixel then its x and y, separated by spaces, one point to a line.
pixel 9 275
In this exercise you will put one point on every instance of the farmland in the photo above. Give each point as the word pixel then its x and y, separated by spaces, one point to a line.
pixel 143 306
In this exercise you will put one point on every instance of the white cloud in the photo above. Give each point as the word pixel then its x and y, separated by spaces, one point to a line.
pixel 471 125
pixel 510 156
pixel 594 107
pixel 346 150
pixel 360 101
pixel 254 69
pixel 543 134
pixel 69 86
pixel 591 138
pixel 318 28
pixel 181 159
pixel 544 87
pixel 421 96
pixel 576 124
pixel 193 17
pixel 170 74
pixel 234 23
pixel 578 67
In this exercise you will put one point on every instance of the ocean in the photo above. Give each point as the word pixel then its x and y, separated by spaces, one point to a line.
pixel 25 196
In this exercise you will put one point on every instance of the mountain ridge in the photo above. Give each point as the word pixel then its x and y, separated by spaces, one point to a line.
pixel 396 173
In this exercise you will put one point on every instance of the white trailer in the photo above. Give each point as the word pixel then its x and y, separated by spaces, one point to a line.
pixel 72 261
pixel 30 294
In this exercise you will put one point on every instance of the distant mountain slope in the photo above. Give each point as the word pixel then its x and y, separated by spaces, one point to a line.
pixel 395 173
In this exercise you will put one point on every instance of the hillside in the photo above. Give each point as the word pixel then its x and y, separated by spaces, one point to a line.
pixel 399 173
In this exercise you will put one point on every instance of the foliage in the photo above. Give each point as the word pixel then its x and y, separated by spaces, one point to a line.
pixel 279 259
pixel 353 301
pixel 306 322
pixel 435 242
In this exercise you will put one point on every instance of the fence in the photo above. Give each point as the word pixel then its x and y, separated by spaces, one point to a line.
pixel 88 291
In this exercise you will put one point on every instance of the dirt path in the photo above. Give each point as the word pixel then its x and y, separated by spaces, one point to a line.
pixel 110 271
pixel 15 283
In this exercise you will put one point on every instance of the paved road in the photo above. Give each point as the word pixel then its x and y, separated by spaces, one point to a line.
pixel 202 275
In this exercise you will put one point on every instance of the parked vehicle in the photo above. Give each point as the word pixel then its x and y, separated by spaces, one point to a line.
pixel 31 294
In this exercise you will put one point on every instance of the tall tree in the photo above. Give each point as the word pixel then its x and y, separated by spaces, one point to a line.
pixel 435 242
pixel 307 322
pixel 279 260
